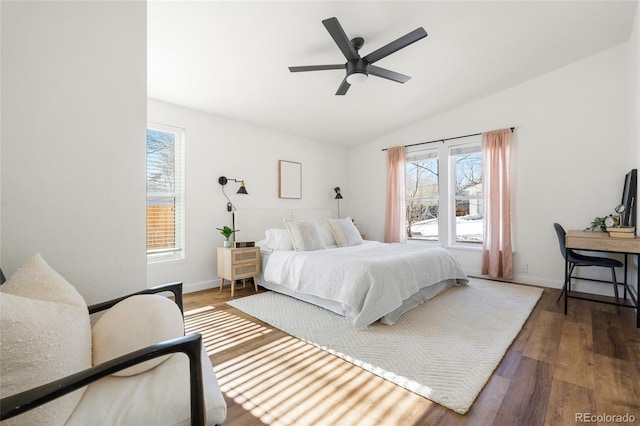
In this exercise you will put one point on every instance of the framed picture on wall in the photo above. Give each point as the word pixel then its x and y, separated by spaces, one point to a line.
pixel 290 178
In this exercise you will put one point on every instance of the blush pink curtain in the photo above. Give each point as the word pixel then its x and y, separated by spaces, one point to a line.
pixel 497 261
pixel 395 219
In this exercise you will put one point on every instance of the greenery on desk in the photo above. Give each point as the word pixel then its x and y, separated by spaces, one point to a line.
pixel 598 224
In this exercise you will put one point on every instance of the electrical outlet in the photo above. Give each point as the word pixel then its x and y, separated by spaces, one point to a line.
pixel 524 268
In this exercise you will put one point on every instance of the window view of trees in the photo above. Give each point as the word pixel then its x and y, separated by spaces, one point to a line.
pixel 423 197
pixel 468 198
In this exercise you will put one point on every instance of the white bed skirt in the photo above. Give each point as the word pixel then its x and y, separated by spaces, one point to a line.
pixel 423 295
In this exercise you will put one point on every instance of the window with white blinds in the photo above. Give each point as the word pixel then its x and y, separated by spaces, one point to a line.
pixel 165 192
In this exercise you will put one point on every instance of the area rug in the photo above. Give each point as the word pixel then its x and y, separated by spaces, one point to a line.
pixel 444 350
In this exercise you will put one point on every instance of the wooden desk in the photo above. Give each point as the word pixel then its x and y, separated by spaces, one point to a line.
pixel 600 241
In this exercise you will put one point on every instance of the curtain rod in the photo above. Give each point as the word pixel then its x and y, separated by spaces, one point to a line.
pixel 445 139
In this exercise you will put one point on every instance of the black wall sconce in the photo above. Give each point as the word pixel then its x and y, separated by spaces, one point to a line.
pixel 223 180
pixel 338 197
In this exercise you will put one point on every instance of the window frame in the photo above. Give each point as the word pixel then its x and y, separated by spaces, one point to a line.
pixel 447 187
pixel 177 252
pixel 416 156
pixel 469 147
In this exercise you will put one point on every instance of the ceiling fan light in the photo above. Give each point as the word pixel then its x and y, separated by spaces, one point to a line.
pixel 357 78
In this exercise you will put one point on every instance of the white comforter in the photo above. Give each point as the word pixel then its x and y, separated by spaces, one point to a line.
pixel 369 280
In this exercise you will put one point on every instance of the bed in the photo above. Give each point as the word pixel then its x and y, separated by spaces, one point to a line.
pixel 308 255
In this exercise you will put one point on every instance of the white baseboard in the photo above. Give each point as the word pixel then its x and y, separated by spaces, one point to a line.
pixel 537 281
pixel 205 285
pixel 521 279
pixel 576 285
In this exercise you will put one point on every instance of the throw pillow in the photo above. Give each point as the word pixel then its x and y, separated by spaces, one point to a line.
pixel 37 280
pixel 305 236
pixel 132 324
pixel 344 232
pixel 46 335
pixel 327 236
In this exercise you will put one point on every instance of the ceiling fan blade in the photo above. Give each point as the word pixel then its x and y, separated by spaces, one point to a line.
pixel 337 33
pixel 396 45
pixel 342 90
pixel 388 74
pixel 317 68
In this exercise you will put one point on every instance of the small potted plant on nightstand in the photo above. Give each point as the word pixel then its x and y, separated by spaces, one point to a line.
pixel 227 232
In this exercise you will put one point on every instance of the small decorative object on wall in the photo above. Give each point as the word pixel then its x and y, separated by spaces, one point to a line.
pixel 227 232
pixel 290 175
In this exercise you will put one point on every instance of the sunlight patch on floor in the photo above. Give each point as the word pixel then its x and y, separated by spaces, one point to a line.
pixel 221 330
pixel 287 382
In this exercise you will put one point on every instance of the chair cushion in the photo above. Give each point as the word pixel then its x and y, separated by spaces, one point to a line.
pixel 156 397
pixel 132 324
pixel 46 335
pixel 585 260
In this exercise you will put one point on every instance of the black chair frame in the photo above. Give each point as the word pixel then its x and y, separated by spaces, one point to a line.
pixel 573 259
pixel 191 345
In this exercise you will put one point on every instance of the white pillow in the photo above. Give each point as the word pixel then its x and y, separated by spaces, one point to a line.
pixel 46 335
pixel 132 324
pixel 327 236
pixel 344 232
pixel 305 235
pixel 278 239
pixel 37 280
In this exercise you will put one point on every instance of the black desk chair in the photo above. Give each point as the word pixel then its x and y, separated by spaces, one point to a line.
pixel 575 259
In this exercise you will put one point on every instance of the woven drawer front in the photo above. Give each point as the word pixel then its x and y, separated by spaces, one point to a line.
pixel 245 256
pixel 247 270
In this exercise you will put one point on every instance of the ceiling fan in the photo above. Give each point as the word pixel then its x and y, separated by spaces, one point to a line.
pixel 359 68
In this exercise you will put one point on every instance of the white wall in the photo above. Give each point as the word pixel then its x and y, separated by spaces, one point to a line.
pixel 571 149
pixel 217 146
pixel 73 150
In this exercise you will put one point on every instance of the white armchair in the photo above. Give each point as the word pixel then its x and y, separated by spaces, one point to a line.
pixel 126 369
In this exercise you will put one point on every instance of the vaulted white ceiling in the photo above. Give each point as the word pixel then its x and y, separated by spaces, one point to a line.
pixel 230 58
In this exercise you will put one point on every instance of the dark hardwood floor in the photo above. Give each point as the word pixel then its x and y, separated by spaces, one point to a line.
pixel 560 370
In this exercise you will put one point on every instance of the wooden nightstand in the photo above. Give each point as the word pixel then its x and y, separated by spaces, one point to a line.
pixel 238 264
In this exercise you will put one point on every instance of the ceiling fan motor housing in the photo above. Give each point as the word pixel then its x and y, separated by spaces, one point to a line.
pixel 357 66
